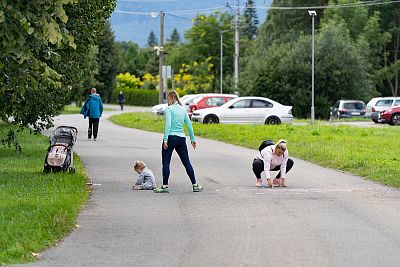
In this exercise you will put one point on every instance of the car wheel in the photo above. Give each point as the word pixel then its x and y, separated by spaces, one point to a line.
pixel 273 120
pixel 395 120
pixel 211 119
pixel 376 121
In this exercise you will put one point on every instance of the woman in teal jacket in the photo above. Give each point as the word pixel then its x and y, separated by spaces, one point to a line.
pixel 174 139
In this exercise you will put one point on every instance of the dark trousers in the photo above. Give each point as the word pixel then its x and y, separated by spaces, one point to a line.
pixel 258 167
pixel 179 144
pixel 93 127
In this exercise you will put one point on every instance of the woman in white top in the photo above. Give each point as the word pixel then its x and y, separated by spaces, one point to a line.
pixel 273 158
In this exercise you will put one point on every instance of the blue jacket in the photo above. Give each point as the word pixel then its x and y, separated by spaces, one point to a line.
pixel 93 107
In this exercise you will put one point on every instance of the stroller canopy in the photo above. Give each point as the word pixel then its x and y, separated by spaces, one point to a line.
pixel 64 135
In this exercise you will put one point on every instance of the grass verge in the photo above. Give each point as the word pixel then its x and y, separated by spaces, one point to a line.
pixel 73 109
pixel 368 152
pixel 36 209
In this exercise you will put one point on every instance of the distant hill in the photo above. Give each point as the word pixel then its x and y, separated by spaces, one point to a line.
pixel 136 27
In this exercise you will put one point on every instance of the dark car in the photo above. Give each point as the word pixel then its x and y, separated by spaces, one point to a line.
pixel 348 109
pixel 390 115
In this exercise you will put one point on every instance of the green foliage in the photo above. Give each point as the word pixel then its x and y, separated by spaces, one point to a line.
pixel 175 37
pixel 138 97
pixel 152 40
pixel 194 78
pixel 108 63
pixel 36 210
pixel 390 57
pixel 284 26
pixel 251 20
pixel 284 73
pixel 357 150
pixel 204 42
pixel 134 59
pixel 45 55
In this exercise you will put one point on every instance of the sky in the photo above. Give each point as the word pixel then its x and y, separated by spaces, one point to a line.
pixel 143 17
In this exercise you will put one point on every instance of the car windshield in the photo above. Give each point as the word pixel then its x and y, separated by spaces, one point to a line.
pixel 189 99
pixel 354 105
pixel 384 103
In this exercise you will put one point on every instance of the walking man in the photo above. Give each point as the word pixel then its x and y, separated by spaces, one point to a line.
pixel 93 108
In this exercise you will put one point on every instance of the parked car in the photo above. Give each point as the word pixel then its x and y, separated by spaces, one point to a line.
pixel 390 115
pixel 210 100
pixel 382 104
pixel 250 109
pixel 371 104
pixel 347 109
pixel 186 100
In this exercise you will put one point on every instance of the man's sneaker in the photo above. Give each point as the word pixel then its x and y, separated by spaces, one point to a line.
pixel 197 188
pixel 161 190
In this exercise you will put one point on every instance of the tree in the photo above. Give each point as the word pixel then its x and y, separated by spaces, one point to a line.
pixel 251 20
pixel 29 88
pixel 40 55
pixel 108 61
pixel 390 57
pixel 152 40
pixel 175 37
pixel 284 73
pixel 284 26
pixel 204 42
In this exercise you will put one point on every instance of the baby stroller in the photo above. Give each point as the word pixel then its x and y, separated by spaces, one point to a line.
pixel 60 154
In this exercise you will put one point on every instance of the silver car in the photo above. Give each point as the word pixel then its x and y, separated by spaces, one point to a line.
pixel 250 109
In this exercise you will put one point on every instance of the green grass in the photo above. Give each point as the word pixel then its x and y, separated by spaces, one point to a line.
pixel 73 109
pixel 36 209
pixel 373 153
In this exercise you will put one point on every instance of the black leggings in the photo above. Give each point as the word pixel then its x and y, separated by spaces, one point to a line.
pixel 179 144
pixel 93 127
pixel 258 167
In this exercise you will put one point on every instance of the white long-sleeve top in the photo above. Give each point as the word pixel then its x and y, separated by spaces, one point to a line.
pixel 272 160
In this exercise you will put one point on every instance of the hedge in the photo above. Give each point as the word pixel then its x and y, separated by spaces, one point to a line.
pixel 137 97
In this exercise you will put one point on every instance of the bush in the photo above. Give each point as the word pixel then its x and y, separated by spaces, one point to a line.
pixel 138 97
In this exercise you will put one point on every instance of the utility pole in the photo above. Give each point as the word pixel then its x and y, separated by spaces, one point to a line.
pixel 312 13
pixel 236 70
pixel 161 54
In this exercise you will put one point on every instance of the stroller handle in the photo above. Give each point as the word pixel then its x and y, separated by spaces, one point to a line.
pixel 70 127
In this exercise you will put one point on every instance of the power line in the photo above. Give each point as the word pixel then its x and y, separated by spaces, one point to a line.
pixel 169 14
pixel 213 9
pixel 349 5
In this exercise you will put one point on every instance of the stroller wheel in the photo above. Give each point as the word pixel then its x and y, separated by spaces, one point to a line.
pixel 46 170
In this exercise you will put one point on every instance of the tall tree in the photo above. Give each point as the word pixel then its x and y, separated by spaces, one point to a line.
pixel 152 40
pixel 36 54
pixel 390 60
pixel 251 20
pixel 79 65
pixel 108 61
pixel 284 73
pixel 287 25
pixel 204 42
pixel 175 37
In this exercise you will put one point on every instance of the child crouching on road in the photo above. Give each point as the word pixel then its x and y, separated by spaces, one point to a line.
pixel 146 179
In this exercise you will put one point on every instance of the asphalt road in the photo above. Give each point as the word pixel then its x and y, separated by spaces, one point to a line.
pixel 324 218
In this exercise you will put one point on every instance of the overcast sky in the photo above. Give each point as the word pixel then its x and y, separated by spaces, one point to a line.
pixel 136 27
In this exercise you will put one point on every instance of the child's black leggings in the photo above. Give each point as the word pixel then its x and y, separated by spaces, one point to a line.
pixel 258 167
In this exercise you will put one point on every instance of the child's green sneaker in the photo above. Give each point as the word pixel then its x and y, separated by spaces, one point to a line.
pixel 161 190
pixel 197 188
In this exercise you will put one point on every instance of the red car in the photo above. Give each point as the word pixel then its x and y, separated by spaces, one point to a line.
pixel 391 115
pixel 209 101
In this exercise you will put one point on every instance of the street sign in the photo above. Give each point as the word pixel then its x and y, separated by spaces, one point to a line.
pixel 166 72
